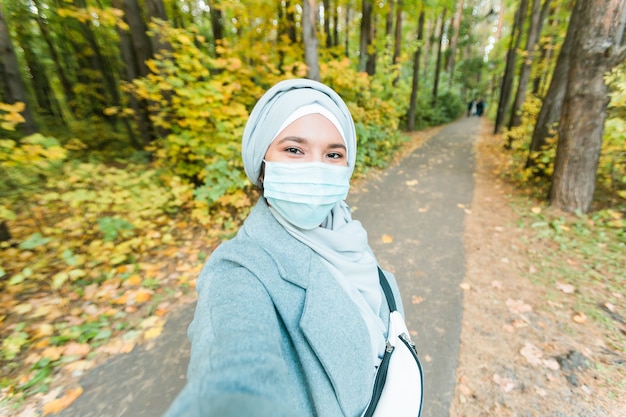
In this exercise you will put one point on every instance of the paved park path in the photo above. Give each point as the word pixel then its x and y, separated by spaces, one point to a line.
pixel 414 214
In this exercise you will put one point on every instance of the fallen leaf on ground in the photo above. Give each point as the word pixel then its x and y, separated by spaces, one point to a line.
pixel 416 299
pixel 62 403
pixel 519 323
pixel 536 210
pixel 551 364
pixel 464 286
pixel 565 288
pixel 610 307
pixel 505 384
pixel 411 183
pixel 518 306
pixel 76 349
pixel 387 238
pixel 579 317
pixel 532 353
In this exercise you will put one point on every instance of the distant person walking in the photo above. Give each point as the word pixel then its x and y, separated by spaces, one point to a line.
pixel 471 108
pixel 480 107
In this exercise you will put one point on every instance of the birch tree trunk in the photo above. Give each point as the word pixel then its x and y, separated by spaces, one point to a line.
pixel 309 37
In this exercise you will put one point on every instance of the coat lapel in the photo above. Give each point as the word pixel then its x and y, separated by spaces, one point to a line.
pixel 338 335
pixel 330 321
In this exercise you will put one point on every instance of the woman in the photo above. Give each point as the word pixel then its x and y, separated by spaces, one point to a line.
pixel 291 319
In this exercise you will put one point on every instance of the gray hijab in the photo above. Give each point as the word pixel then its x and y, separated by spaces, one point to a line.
pixel 274 108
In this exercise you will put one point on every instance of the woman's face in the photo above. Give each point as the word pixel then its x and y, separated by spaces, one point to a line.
pixel 311 138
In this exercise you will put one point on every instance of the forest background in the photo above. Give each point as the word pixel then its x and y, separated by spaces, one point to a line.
pixel 120 127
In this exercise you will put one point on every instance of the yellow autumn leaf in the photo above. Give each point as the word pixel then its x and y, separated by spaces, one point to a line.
pixel 142 296
pixel 59 404
pixel 59 279
pixel 387 238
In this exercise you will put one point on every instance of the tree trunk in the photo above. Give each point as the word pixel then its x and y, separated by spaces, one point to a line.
pixel 347 31
pixel 328 37
pixel 438 66
pixel 534 30
pixel 144 126
pixel 59 68
pixel 365 36
pixel 415 81
pixel 389 23
pixel 335 25
pixel 291 25
pixel 12 79
pixel 217 23
pixel 155 9
pixel 47 103
pixel 141 45
pixel 397 48
pixel 596 49
pixel 309 37
pixel 546 55
pixel 550 112
pixel 456 25
pixel 509 72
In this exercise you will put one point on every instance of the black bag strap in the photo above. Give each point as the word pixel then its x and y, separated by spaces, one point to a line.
pixel 391 301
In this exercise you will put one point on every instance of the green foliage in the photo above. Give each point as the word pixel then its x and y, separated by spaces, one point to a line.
pixel 203 103
pixel 12 345
pixel 112 227
pixel 613 156
pixel 376 119
pixel 518 141
pixel 594 247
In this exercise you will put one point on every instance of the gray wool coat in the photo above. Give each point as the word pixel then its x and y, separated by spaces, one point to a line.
pixel 274 334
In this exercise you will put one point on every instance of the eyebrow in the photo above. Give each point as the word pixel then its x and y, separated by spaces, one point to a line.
pixel 298 139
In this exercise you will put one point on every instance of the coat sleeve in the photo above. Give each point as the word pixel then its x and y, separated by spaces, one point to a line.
pixel 236 366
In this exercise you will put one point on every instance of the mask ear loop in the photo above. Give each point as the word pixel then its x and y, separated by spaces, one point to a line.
pixel 261 176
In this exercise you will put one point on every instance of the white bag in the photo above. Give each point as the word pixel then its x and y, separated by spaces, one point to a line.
pixel 398 387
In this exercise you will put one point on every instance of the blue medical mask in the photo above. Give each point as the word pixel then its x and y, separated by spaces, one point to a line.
pixel 304 193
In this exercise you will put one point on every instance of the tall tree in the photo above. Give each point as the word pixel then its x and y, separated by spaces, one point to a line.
pixel 537 17
pixel 309 38
pixel 347 31
pixel 550 113
pixel 217 22
pixel 597 48
pixel 547 46
pixel 61 70
pixel 326 18
pixel 11 77
pixel 397 49
pixel 366 35
pixel 439 54
pixel 456 26
pixel 415 79
pixel 509 72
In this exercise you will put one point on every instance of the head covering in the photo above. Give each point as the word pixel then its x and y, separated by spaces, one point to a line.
pixel 276 106
pixel 312 109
